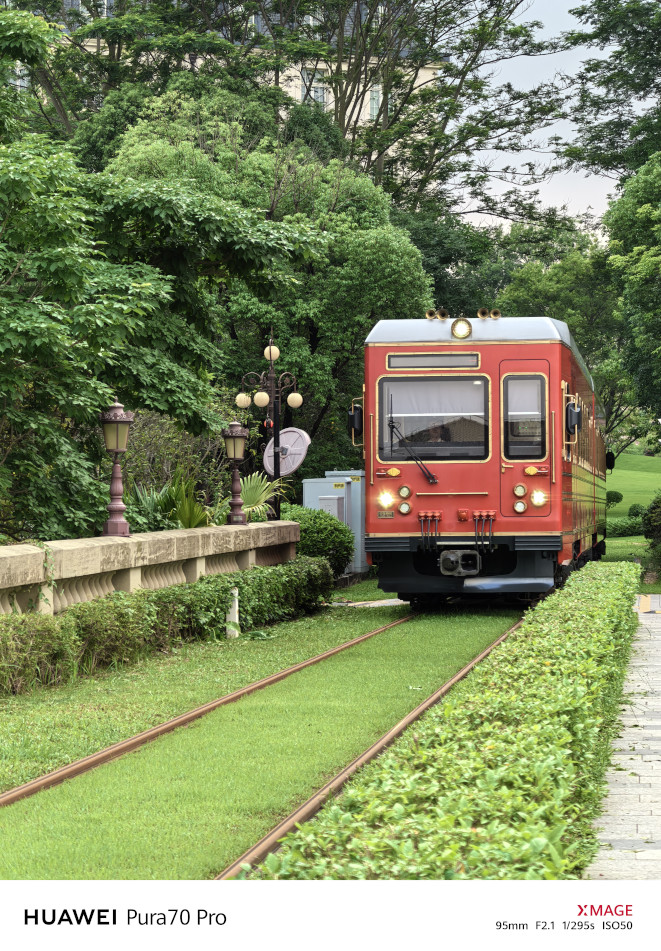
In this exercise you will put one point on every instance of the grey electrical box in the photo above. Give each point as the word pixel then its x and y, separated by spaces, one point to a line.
pixel 333 504
pixel 342 494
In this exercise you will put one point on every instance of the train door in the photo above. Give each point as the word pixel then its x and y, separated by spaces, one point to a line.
pixel 524 437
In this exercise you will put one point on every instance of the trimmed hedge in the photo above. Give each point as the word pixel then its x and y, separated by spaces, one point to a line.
pixel 623 527
pixel 38 650
pixel 322 535
pixel 502 779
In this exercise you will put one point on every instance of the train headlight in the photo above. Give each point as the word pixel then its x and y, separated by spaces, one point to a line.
pixel 538 498
pixel 386 499
pixel 520 506
pixel 404 491
pixel 520 490
pixel 461 328
pixel 405 508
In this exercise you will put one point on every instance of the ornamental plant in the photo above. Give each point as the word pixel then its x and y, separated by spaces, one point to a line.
pixel 322 534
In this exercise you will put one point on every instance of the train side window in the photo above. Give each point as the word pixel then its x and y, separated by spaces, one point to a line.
pixel 524 417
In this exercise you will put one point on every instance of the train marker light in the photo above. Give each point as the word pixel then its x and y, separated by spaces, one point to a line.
pixel 386 499
pixel 538 498
pixel 520 490
pixel 520 506
pixel 404 491
pixel 461 328
pixel 405 508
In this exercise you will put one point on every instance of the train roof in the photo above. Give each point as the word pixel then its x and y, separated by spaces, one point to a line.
pixel 503 329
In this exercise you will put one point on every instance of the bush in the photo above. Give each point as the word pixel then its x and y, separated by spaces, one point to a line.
pixel 322 534
pixel 37 650
pixel 654 562
pixel 623 527
pixel 651 521
pixel 503 779
pixel 613 498
pixel 636 510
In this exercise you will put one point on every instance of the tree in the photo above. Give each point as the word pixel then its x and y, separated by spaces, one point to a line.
pixel 581 289
pixel 617 107
pixel 322 307
pixel 634 223
pixel 413 85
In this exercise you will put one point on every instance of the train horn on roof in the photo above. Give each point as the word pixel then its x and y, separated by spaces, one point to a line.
pixel 442 313
pixel 495 313
pixel 430 314
pixel 483 312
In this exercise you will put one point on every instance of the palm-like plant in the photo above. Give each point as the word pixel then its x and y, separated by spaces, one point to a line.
pixel 256 494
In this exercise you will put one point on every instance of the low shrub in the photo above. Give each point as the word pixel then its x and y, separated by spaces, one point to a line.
pixel 651 520
pixel 636 510
pixel 37 649
pixel 613 498
pixel 322 535
pixel 623 527
pixel 654 561
pixel 503 779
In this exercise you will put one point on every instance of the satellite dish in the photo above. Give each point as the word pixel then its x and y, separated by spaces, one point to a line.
pixel 293 449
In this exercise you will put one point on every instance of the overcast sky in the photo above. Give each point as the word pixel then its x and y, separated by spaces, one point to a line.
pixel 579 191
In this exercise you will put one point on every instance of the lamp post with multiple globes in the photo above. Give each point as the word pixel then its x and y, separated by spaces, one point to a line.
pixel 270 391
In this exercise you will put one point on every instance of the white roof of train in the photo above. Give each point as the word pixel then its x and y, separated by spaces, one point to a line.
pixel 484 329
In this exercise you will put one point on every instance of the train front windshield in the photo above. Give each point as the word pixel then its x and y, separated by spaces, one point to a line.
pixel 437 418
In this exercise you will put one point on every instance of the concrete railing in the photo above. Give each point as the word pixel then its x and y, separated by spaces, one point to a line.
pixel 50 579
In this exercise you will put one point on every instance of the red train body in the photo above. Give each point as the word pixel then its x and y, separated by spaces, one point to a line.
pixel 484 460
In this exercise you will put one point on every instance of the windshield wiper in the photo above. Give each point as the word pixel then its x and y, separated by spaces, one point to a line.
pixel 396 431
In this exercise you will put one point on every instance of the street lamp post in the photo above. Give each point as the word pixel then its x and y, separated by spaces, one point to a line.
pixel 236 437
pixel 270 390
pixel 116 423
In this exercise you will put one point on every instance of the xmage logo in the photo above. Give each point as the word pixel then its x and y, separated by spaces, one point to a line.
pixel 601 911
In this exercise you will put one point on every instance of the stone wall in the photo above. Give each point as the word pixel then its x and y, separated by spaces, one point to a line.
pixel 50 579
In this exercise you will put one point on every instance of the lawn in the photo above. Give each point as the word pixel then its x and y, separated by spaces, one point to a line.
pixel 367 590
pixel 54 726
pixel 187 804
pixel 637 477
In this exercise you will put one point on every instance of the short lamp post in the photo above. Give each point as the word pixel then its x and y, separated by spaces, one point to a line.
pixel 116 423
pixel 269 396
pixel 236 437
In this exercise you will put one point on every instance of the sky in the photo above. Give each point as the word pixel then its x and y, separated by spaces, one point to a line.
pixel 581 192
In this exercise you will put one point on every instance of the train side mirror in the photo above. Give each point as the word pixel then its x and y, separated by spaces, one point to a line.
pixel 610 460
pixel 574 420
pixel 355 421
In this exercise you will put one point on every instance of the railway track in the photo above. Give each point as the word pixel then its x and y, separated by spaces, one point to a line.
pixel 71 770
pixel 271 842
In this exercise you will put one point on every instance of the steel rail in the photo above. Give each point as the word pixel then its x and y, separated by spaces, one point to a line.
pixel 127 746
pixel 272 840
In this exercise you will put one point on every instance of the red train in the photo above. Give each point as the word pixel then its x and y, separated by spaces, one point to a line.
pixel 485 466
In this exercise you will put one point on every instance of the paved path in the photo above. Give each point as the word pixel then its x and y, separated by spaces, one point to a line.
pixel 631 823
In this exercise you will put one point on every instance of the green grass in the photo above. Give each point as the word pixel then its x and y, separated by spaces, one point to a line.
pixel 186 805
pixel 637 477
pixel 54 726
pixel 626 549
pixel 367 590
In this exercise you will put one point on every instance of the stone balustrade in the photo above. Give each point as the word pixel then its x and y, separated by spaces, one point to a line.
pixel 50 579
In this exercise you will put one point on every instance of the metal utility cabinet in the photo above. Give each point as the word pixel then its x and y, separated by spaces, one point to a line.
pixel 343 495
